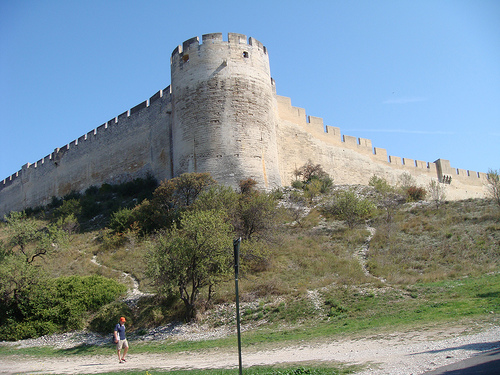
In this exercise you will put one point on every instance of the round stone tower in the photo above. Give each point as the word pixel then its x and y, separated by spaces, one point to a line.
pixel 224 111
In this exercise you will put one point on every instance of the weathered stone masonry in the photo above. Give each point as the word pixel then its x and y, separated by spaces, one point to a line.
pixel 221 114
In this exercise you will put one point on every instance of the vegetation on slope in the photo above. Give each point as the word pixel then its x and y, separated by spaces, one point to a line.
pixel 318 259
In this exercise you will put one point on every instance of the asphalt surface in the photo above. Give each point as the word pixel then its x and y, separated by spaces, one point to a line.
pixel 487 363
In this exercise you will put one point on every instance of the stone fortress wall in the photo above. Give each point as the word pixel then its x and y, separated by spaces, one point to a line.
pixel 130 145
pixel 350 160
pixel 221 114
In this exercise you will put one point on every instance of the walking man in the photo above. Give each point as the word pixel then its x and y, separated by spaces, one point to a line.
pixel 121 340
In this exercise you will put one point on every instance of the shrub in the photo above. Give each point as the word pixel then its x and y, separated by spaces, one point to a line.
pixel 58 304
pixel 277 193
pixel 247 185
pixel 494 185
pixel 406 180
pixel 437 192
pixel 326 184
pixel 297 184
pixel 347 206
pixel 313 180
pixel 90 292
pixel 72 298
pixel 55 202
pixel 69 207
pixel 310 171
pixel 415 194
pixel 92 190
pixel 111 240
pixel 13 331
pixel 380 184
pixel 138 187
pixel 69 224
pixel 122 220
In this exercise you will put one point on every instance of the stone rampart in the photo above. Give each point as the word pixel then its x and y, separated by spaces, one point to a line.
pixel 220 115
pixel 133 144
pixel 351 160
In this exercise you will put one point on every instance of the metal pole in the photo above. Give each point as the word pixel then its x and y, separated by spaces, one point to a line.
pixel 236 245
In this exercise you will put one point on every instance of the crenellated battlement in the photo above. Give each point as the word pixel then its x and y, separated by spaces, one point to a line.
pixel 316 127
pixel 103 130
pixel 233 39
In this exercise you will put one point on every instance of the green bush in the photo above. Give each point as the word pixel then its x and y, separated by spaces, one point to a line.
pixel 69 207
pixel 13 331
pixel 58 305
pixel 55 202
pixel 351 208
pixel 122 220
pixel 92 190
pixel 89 292
pixel 69 223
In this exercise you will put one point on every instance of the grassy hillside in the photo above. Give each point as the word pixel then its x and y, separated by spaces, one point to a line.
pixel 411 263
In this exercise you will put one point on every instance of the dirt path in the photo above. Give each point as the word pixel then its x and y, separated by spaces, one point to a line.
pixel 133 294
pixel 392 354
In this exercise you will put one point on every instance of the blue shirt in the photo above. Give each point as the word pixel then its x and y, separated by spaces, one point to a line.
pixel 121 331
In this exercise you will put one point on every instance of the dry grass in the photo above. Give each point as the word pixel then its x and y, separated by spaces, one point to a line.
pixel 462 238
pixel 420 244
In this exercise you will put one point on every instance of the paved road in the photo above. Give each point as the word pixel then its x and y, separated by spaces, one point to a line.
pixel 487 363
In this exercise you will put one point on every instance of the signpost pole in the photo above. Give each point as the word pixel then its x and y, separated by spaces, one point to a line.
pixel 236 245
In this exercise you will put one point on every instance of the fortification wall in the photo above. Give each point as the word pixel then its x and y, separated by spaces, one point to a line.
pixel 351 160
pixel 220 115
pixel 131 145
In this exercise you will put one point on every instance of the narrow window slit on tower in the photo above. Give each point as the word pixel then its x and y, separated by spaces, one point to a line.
pixel 185 58
pixel 245 54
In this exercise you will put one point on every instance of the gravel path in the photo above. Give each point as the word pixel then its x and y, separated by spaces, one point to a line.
pixel 392 354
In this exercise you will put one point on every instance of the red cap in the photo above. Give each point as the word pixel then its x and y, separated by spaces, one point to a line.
pixel 122 319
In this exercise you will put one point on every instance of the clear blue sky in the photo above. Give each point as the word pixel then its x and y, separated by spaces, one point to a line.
pixel 419 78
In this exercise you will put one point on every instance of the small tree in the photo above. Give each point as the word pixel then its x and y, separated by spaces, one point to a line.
pixel 30 238
pixel 389 197
pixel 310 171
pixel 256 214
pixel 349 207
pixel 437 192
pixel 18 280
pixel 313 180
pixel 494 184
pixel 183 190
pixel 194 256
pixel 169 200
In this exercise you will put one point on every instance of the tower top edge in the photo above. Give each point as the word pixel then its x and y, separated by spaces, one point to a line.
pixel 217 38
